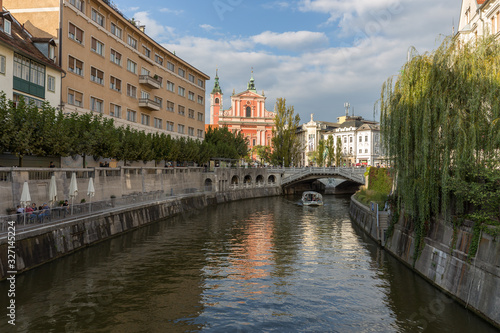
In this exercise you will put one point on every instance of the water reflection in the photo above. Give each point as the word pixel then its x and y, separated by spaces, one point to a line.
pixel 250 266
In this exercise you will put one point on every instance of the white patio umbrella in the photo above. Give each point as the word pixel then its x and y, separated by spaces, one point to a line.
pixel 91 192
pixel 25 198
pixel 52 190
pixel 73 189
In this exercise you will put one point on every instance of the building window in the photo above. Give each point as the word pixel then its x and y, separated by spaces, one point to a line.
pixel 96 105
pixel 132 42
pixel 2 64
pixel 360 151
pixel 181 110
pixel 51 83
pixel 170 86
pixel 366 138
pixel 131 66
pixel 75 66
pixel 115 57
pixel 345 139
pixel 78 4
pixel 158 60
pixel 180 128
pixel 201 83
pixel 360 138
pixel 115 110
pixel 96 75
pixel 366 151
pixel 191 114
pixel 170 106
pixel 97 17
pixel 144 71
pixel 200 116
pixel 75 33
pixel 116 31
pixel 30 71
pixel 158 123
pixel 181 72
pixel 7 26
pixel 181 91
pixel 75 98
pixel 170 66
pixel 200 133
pixel 159 79
pixel 159 101
pixel 350 150
pixel 190 131
pixel 147 51
pixel 144 94
pixel 144 119
pixel 201 99
pixel 191 77
pixel 170 126
pixel 248 112
pixel 191 96
pixel 131 91
pixel 131 115
pixel 115 84
pixel 97 46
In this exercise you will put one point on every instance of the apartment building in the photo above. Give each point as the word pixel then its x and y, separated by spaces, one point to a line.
pixel 114 68
pixel 27 64
pixel 479 18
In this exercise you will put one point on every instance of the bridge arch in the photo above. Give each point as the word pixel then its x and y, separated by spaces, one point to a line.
pixel 271 179
pixel 247 179
pixel 208 184
pixel 259 180
pixel 235 180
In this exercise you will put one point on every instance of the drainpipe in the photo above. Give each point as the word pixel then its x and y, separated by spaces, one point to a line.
pixel 63 75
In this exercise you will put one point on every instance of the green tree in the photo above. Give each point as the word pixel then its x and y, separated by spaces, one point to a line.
pixel 338 152
pixel 286 144
pixel 440 121
pixel 321 153
pixel 330 151
pixel 262 152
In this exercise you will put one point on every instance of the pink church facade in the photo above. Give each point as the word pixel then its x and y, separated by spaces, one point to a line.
pixel 247 114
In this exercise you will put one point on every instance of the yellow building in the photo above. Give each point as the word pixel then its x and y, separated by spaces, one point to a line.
pixel 114 68
pixel 479 18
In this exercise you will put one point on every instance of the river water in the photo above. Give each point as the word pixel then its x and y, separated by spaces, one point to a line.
pixel 262 265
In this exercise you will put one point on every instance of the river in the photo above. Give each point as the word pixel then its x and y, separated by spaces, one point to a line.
pixel 261 265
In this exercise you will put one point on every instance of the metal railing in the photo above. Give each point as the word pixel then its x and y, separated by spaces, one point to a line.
pixel 56 214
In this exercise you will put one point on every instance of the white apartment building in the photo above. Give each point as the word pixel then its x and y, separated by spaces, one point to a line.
pixel 27 64
pixel 479 18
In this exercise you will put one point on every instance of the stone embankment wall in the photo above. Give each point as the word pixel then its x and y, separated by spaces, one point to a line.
pixel 444 260
pixel 36 247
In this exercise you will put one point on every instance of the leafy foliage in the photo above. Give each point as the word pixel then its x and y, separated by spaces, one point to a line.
pixel 440 124
pixel 26 129
pixel 286 144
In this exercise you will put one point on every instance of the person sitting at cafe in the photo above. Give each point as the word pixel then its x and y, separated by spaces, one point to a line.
pixel 44 212
pixel 65 207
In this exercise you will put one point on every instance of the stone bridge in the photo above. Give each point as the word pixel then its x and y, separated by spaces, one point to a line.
pixel 294 177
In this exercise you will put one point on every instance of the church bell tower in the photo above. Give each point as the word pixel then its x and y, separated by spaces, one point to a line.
pixel 215 101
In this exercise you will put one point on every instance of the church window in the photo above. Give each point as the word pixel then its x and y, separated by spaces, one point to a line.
pixel 216 101
pixel 249 112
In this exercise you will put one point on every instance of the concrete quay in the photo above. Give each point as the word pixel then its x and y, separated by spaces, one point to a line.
pixel 444 261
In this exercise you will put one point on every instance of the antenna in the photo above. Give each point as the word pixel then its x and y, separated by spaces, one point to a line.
pixel 347 105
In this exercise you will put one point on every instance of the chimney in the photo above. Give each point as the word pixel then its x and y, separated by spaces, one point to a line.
pixel 141 27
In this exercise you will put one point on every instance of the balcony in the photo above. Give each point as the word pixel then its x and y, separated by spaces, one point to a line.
pixel 149 81
pixel 149 104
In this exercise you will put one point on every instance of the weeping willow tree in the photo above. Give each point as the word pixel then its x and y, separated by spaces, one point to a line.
pixel 441 129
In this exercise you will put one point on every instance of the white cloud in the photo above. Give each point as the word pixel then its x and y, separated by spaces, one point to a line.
pixel 153 28
pixel 292 40
pixel 171 11
pixel 322 77
pixel 207 27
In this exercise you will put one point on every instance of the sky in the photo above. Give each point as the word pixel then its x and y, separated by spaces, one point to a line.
pixel 317 54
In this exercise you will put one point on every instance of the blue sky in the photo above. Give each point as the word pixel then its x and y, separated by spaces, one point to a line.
pixel 318 54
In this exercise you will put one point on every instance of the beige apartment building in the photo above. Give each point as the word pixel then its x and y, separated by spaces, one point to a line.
pixel 113 67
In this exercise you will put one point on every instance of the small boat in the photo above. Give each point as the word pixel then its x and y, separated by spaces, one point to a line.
pixel 311 198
